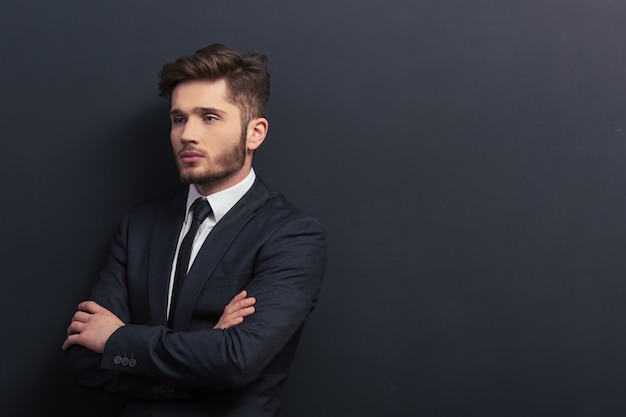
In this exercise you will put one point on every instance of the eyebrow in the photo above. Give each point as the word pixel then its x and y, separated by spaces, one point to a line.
pixel 199 110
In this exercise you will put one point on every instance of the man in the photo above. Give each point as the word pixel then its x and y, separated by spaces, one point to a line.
pixel 199 307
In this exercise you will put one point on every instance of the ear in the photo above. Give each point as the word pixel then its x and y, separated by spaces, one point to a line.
pixel 257 129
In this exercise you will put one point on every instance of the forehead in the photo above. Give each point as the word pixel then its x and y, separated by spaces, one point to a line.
pixel 201 93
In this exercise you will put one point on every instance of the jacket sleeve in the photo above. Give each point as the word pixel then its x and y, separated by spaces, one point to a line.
pixel 286 283
pixel 85 365
pixel 287 277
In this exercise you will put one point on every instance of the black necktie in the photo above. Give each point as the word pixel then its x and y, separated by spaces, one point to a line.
pixel 200 210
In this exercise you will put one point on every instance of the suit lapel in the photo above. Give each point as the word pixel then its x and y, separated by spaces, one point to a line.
pixel 162 248
pixel 214 248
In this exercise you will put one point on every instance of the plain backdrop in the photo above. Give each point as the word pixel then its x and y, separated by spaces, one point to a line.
pixel 467 158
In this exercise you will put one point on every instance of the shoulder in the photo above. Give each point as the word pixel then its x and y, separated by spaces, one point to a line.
pixel 282 209
pixel 273 204
pixel 278 218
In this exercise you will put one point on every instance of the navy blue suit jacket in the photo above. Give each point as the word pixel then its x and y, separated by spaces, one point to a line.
pixel 263 245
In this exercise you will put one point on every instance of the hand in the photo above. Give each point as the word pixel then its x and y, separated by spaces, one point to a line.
pixel 91 327
pixel 238 308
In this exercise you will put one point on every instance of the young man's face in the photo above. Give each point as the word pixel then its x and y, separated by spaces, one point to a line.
pixel 207 138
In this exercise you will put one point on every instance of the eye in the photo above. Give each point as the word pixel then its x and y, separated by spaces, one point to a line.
pixel 210 118
pixel 177 120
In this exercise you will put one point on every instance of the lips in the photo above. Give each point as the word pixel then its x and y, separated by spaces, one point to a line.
pixel 190 156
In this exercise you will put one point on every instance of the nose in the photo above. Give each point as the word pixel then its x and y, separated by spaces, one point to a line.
pixel 189 132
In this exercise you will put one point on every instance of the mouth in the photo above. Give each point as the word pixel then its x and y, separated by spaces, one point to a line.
pixel 190 156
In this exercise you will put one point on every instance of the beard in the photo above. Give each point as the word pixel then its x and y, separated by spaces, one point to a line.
pixel 217 167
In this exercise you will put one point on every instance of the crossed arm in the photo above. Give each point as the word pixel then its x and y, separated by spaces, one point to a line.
pixel 92 324
pixel 288 265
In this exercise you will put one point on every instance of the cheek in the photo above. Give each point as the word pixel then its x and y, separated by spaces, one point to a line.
pixel 174 138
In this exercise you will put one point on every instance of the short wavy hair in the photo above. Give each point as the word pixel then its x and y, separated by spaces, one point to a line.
pixel 246 75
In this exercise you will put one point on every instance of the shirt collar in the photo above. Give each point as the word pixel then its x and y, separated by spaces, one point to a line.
pixel 224 200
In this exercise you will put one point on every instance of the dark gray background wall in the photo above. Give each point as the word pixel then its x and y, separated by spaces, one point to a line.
pixel 468 159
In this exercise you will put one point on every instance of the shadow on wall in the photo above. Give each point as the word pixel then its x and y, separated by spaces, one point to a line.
pixel 145 157
pixel 112 170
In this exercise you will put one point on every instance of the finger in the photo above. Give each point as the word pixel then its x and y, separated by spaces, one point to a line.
pixel 90 307
pixel 71 340
pixel 243 304
pixel 240 313
pixel 235 318
pixel 234 306
pixel 245 312
pixel 246 302
pixel 75 327
pixel 81 316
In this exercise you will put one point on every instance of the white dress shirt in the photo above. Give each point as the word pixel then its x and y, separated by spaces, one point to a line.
pixel 221 202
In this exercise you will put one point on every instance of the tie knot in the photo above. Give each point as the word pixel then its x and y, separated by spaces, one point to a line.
pixel 200 209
